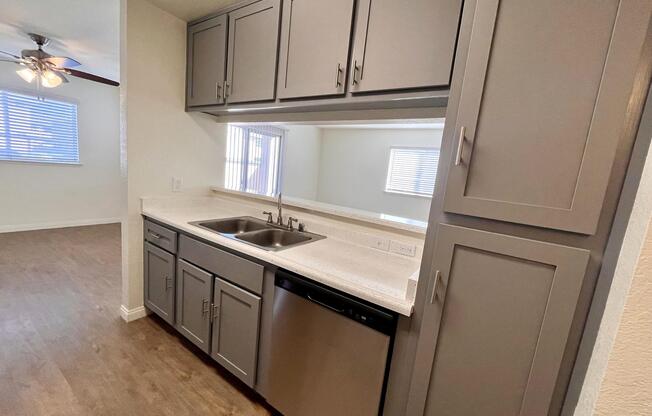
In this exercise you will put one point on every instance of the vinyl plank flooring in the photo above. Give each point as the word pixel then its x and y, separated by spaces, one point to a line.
pixel 64 350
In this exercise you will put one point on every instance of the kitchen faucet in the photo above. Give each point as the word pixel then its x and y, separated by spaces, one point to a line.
pixel 279 205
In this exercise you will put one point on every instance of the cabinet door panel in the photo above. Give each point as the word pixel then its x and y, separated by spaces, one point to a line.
pixel 404 44
pixel 235 330
pixel 159 282
pixel 496 324
pixel 314 51
pixel 253 46
pixel 206 62
pixel 194 292
pixel 541 109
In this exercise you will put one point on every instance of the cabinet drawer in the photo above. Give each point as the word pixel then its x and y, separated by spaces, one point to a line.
pixel 161 236
pixel 244 273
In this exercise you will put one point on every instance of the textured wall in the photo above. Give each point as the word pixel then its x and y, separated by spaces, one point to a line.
pixel 627 386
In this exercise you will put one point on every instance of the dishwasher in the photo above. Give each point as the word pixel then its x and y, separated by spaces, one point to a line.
pixel 329 352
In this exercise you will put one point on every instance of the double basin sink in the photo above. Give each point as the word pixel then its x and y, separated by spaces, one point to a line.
pixel 258 233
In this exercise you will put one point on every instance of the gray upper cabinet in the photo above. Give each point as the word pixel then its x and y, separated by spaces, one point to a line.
pixel 236 321
pixel 403 44
pixel 314 50
pixel 159 282
pixel 194 293
pixel 490 344
pixel 541 109
pixel 206 62
pixel 253 47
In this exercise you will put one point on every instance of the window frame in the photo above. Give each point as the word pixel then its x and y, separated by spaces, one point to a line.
pixel 52 97
pixel 389 170
pixel 262 129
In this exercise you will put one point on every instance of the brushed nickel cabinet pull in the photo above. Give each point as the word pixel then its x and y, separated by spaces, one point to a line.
pixel 226 89
pixel 356 70
pixel 434 294
pixel 154 235
pixel 460 146
pixel 204 307
pixel 168 283
pixel 214 312
pixel 218 91
pixel 338 75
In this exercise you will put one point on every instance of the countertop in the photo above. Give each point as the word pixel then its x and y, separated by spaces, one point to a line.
pixel 339 261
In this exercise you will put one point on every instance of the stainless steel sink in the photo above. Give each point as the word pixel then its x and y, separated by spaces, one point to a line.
pixel 258 233
pixel 236 225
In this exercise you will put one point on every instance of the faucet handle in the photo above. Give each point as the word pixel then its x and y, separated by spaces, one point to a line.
pixel 270 216
pixel 290 221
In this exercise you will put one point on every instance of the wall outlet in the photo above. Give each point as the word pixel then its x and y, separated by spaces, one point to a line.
pixel 380 244
pixel 403 249
pixel 177 183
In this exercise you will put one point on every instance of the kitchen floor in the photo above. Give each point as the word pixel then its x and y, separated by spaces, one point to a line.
pixel 64 350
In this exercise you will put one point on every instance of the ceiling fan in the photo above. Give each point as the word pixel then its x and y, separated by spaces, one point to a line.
pixel 48 71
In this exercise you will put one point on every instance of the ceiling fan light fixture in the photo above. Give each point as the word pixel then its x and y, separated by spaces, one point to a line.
pixel 50 79
pixel 27 74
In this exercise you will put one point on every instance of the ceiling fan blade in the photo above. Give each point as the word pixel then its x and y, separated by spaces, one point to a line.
pixel 9 60
pixel 62 61
pixel 91 77
pixel 63 77
pixel 11 54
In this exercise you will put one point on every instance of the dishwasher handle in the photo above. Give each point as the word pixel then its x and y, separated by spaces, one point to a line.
pixel 338 302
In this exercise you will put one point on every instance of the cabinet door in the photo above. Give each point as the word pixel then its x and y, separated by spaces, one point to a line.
pixel 404 44
pixel 206 62
pixel 235 330
pixel 541 110
pixel 194 292
pixel 496 320
pixel 159 282
pixel 315 39
pixel 253 46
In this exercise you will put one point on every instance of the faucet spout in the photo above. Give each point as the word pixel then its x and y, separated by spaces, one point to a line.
pixel 279 205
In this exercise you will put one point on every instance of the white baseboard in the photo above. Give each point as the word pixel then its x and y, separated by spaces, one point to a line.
pixel 57 224
pixel 130 315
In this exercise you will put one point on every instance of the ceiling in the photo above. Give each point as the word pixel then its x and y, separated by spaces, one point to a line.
pixel 86 30
pixel 192 9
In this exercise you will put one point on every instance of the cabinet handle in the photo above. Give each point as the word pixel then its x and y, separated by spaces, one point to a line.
pixel 435 287
pixel 356 70
pixel 218 91
pixel 168 283
pixel 154 235
pixel 214 314
pixel 460 146
pixel 226 89
pixel 204 307
pixel 338 75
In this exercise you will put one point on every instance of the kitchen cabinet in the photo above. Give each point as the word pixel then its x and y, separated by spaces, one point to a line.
pixel 159 282
pixel 252 51
pixel 236 320
pixel 194 294
pixel 488 318
pixel 206 62
pixel 403 44
pixel 537 122
pixel 315 37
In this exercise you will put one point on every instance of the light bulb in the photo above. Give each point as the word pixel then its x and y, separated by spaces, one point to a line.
pixel 27 74
pixel 50 79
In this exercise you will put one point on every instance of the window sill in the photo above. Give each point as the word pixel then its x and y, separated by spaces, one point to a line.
pixel 34 162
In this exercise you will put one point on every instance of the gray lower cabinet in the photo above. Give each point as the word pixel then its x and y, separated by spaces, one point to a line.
pixel 401 44
pixel 159 281
pixel 253 47
pixel 194 294
pixel 496 321
pixel 206 62
pixel 314 49
pixel 236 320
pixel 541 109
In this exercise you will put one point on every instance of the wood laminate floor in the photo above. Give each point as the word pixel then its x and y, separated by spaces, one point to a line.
pixel 64 350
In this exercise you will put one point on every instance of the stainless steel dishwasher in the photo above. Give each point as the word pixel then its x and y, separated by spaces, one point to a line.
pixel 329 352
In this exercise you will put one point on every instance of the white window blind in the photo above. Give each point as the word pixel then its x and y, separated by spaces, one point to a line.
pixel 253 157
pixel 412 170
pixel 34 129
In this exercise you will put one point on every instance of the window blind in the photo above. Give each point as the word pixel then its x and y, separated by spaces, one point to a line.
pixel 253 155
pixel 412 170
pixel 34 129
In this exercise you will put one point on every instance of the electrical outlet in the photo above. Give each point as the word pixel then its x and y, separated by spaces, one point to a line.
pixel 403 249
pixel 381 244
pixel 177 183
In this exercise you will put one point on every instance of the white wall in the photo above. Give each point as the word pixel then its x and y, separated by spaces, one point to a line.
pixel 160 138
pixel 301 161
pixel 37 195
pixel 353 169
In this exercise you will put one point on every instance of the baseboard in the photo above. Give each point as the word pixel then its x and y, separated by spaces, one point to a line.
pixel 57 224
pixel 130 315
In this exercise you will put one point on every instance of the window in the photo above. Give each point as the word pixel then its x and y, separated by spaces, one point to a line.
pixel 33 129
pixel 412 170
pixel 253 156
